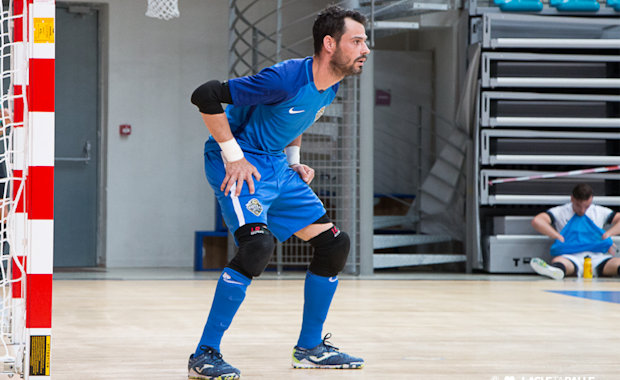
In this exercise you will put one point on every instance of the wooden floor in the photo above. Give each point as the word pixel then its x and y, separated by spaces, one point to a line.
pixel 403 329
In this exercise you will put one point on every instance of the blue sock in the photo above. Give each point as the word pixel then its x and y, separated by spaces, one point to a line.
pixel 318 294
pixel 229 294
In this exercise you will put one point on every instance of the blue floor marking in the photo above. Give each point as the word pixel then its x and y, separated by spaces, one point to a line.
pixel 598 295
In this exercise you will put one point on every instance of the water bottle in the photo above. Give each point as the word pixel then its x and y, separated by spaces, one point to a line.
pixel 587 267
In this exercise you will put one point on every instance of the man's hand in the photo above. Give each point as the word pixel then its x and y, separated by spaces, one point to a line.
pixel 613 248
pixel 6 117
pixel 561 238
pixel 237 172
pixel 305 172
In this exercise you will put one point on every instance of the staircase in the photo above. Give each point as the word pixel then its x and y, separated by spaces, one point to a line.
pixel 438 189
pixel 437 194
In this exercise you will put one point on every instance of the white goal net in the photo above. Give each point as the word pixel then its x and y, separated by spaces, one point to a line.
pixel 163 9
pixel 13 107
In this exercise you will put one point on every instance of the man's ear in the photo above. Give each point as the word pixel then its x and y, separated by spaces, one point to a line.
pixel 329 44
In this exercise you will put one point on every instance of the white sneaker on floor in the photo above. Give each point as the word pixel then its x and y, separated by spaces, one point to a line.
pixel 544 269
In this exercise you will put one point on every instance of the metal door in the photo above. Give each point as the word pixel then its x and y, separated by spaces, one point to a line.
pixel 77 136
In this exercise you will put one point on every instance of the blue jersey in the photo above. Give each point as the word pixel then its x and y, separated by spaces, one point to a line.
pixel 270 109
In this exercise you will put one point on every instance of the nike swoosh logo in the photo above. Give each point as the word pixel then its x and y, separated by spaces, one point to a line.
pixel 233 282
pixel 333 279
pixel 292 111
pixel 325 356
pixel 229 280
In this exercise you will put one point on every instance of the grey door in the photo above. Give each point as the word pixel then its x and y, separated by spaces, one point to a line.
pixel 77 141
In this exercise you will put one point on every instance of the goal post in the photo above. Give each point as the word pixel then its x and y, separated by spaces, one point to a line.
pixel 27 206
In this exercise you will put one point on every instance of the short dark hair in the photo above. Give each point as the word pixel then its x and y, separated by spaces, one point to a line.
pixel 330 22
pixel 582 192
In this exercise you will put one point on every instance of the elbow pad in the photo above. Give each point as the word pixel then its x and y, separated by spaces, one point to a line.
pixel 209 96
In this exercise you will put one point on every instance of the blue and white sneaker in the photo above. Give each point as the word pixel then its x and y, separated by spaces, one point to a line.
pixel 210 365
pixel 324 356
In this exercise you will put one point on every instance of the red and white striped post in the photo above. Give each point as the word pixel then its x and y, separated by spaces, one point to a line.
pixel 19 244
pixel 34 160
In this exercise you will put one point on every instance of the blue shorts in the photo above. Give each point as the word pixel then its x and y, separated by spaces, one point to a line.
pixel 281 200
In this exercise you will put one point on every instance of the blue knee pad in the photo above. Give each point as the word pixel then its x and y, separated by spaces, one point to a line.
pixel 256 246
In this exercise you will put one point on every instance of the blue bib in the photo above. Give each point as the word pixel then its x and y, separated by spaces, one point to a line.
pixel 581 235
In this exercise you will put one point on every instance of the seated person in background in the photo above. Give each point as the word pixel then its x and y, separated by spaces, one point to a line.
pixel 577 228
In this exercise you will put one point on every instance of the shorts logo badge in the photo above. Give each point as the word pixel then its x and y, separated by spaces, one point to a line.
pixel 319 114
pixel 254 206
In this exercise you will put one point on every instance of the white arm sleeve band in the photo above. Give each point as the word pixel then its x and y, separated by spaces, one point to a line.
pixel 292 154
pixel 231 150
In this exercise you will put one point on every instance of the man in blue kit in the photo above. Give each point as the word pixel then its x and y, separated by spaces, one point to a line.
pixel 252 161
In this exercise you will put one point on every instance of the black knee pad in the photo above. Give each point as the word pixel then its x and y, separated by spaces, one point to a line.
pixel 255 248
pixel 331 249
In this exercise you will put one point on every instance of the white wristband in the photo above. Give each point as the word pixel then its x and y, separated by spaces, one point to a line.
pixel 231 150
pixel 292 154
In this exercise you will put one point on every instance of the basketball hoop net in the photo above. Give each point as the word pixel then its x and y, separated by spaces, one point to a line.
pixel 163 9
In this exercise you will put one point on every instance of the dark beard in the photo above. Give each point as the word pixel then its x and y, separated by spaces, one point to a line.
pixel 342 69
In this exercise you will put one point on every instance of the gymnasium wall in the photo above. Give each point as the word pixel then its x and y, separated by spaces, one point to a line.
pixel 157 195
pixel 156 192
pixel 429 62
pixel 407 77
